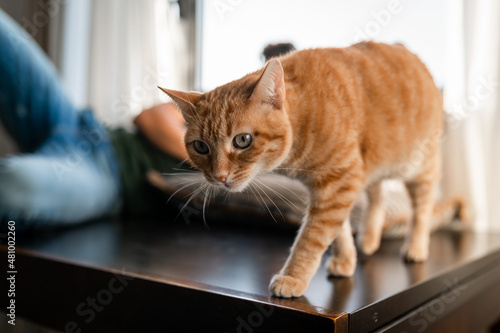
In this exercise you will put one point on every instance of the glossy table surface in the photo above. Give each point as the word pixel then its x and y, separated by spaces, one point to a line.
pixel 240 260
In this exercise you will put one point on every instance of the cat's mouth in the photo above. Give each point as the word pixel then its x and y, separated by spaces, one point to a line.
pixel 233 187
pixel 236 187
pixel 230 186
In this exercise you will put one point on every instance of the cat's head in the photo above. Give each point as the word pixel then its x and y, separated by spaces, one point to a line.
pixel 238 130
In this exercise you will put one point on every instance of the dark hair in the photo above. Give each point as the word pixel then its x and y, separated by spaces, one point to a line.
pixel 276 50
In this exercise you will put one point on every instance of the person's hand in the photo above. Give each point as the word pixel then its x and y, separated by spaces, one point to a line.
pixel 164 126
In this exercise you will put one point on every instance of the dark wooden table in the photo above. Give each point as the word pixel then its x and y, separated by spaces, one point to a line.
pixel 172 277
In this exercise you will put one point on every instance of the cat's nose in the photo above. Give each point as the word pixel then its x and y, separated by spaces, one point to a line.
pixel 222 178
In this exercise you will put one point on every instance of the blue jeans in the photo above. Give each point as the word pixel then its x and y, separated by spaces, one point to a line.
pixel 67 172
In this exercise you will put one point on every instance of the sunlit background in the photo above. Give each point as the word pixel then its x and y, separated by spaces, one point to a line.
pixel 234 33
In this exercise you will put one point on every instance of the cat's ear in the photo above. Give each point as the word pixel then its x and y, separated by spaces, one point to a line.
pixel 271 86
pixel 185 100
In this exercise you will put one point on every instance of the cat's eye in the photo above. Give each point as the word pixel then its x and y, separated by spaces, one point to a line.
pixel 242 141
pixel 200 147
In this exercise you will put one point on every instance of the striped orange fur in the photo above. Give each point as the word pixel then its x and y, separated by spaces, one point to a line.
pixel 338 119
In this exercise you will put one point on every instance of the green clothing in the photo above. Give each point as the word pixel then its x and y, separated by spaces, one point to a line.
pixel 136 156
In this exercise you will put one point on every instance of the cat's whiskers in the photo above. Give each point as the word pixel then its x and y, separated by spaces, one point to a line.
pixel 192 195
pixel 226 196
pixel 180 164
pixel 289 190
pixel 264 201
pixel 188 184
pixel 206 200
pixel 272 201
pixel 250 187
pixel 282 197
pixel 183 171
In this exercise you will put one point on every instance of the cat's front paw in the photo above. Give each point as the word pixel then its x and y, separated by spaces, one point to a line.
pixel 342 266
pixel 287 286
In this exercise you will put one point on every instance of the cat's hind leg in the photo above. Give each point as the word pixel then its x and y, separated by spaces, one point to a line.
pixel 422 193
pixel 370 232
pixel 343 261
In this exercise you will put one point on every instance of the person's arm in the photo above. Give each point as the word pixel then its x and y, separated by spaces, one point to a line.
pixel 164 126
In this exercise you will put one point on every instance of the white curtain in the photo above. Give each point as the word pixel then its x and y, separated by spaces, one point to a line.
pixel 471 145
pixel 132 48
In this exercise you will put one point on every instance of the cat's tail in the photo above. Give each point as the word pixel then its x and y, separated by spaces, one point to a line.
pixel 452 209
pixel 445 214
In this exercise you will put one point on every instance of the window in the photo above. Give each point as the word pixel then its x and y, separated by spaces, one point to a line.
pixel 234 32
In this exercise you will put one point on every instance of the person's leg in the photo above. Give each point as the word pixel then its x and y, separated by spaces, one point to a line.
pixel 71 174
pixel 42 191
pixel 33 106
pixel 62 182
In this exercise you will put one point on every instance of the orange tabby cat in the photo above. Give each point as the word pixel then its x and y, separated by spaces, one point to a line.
pixel 338 119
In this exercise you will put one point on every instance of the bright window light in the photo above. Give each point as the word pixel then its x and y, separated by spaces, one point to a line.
pixel 236 31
